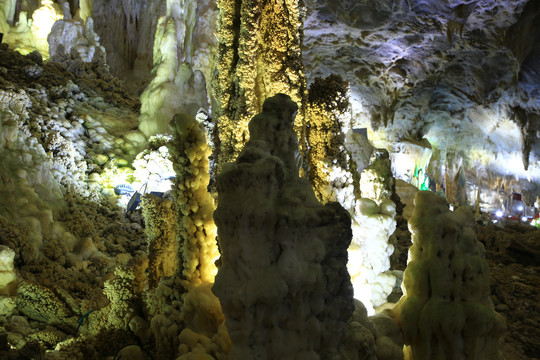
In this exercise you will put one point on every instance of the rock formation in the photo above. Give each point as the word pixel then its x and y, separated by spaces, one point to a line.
pixel 253 38
pixel 446 311
pixel 194 206
pixel 283 283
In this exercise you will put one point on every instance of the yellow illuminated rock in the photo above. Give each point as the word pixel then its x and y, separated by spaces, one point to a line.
pixel 196 231
pixel 162 244
pixel 259 56
pixel 327 104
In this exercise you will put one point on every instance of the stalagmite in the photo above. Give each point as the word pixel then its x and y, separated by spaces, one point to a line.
pixel 446 311
pixel 283 283
pixel 373 225
pixel 196 230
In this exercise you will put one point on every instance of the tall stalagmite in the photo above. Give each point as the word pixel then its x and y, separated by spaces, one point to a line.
pixel 283 283
pixel 194 205
pixel 259 56
pixel 446 311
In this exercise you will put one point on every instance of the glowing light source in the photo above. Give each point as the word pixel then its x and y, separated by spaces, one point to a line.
pixel 499 213
pixel 524 219
pixel 422 181
pixel 44 18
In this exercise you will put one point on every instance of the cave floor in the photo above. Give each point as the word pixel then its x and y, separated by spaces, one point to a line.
pixel 513 255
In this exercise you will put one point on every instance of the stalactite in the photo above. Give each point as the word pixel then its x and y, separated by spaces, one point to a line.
pixel 180 74
pixel 126 29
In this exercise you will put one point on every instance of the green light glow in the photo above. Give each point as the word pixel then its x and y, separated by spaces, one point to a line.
pixel 421 179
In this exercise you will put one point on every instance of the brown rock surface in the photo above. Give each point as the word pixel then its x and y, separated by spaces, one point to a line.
pixel 513 254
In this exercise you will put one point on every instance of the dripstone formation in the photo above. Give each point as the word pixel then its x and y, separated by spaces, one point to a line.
pixel 283 284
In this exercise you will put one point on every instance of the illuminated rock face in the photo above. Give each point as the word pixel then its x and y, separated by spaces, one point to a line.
pixel 72 35
pixel 127 35
pixel 128 31
pixel 259 56
pixel 27 24
pixel 330 171
pixel 160 231
pixel 181 65
pixel 446 312
pixel 373 225
pixel 196 231
pixel 7 271
pixel 462 74
pixel 283 283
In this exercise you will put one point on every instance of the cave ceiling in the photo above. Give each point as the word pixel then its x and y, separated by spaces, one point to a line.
pixel 463 74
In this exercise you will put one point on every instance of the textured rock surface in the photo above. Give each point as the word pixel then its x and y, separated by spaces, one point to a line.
pixel 369 253
pixel 513 255
pixel 373 225
pixel 76 36
pixel 330 170
pixel 283 282
pixel 194 206
pixel 7 271
pixel 462 74
pixel 128 32
pixel 161 234
pixel 446 311
pixel 179 77
pixel 259 56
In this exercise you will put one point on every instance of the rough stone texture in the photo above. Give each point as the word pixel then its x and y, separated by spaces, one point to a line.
pixel 446 311
pixel 42 304
pixel 128 36
pixel 259 56
pixel 128 30
pixel 513 254
pixel 283 283
pixel 463 74
pixel 7 271
pixel 161 237
pixel 194 206
pixel 328 121
pixel 76 36
pixel 181 65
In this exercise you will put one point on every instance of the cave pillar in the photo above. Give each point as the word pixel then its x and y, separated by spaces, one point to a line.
pixel 194 206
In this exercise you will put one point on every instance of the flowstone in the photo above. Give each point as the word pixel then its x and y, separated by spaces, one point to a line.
pixel 283 284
